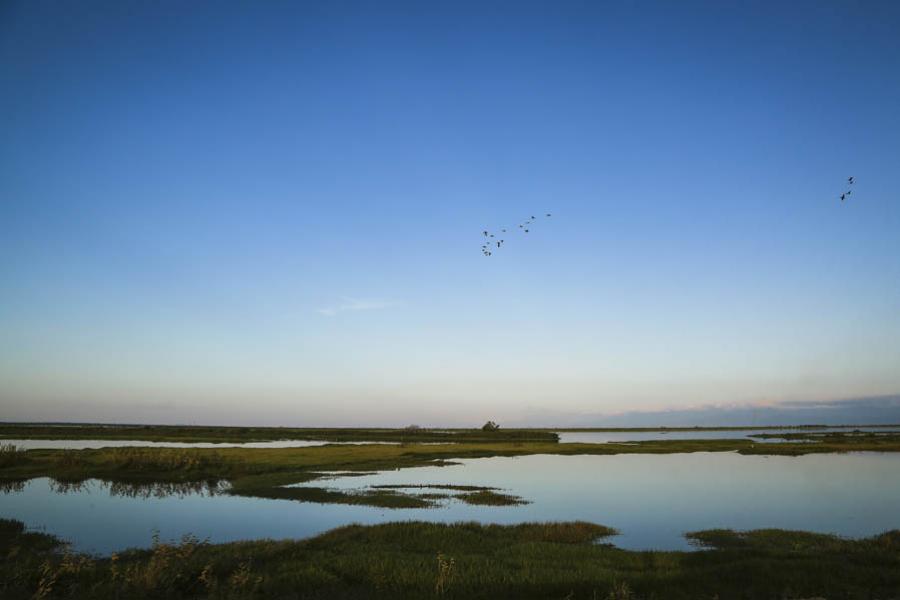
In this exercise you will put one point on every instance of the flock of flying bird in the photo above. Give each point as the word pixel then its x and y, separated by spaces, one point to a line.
pixel 491 240
pixel 494 241
pixel 849 189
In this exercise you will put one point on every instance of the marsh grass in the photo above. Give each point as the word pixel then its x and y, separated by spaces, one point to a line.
pixel 380 498
pixel 491 498
pixel 163 459
pixel 445 566
pixel 415 560
pixel 10 455
pixel 182 433
pixel 435 486
pixel 264 472
pixel 475 494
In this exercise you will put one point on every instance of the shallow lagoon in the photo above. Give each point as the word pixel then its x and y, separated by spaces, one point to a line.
pixel 604 437
pixel 651 499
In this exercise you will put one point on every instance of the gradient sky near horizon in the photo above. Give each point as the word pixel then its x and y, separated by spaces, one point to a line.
pixel 270 213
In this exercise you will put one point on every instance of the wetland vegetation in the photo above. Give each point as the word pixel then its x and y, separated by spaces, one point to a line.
pixel 189 433
pixel 418 559
pixel 266 473
pixel 463 560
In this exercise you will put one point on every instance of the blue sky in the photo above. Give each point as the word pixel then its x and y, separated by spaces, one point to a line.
pixel 271 212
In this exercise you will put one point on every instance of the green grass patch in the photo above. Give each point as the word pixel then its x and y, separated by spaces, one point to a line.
pixel 436 486
pixel 491 498
pixel 184 433
pixel 476 495
pixel 365 497
pixel 263 471
pixel 462 560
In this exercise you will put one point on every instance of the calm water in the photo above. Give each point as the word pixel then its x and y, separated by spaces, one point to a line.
pixel 89 444
pixel 602 437
pixel 651 499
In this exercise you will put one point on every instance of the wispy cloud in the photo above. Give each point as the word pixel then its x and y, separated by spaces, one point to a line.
pixel 355 304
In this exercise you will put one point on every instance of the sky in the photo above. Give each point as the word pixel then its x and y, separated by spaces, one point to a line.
pixel 271 213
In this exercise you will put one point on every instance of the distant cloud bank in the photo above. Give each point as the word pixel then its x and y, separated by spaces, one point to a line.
pixel 868 410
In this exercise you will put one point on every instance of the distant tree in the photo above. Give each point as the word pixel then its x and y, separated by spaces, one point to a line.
pixel 412 428
pixel 490 426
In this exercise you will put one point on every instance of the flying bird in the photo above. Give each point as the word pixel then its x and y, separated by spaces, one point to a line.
pixel 525 226
pixel 850 181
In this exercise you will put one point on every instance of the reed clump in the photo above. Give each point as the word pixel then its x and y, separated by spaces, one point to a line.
pixel 11 456
pixel 164 459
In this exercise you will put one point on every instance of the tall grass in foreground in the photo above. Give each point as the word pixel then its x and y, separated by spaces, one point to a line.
pixel 462 560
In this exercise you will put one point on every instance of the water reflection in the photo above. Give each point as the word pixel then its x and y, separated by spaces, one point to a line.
pixel 7 487
pixel 651 499
pixel 155 489
pixel 164 490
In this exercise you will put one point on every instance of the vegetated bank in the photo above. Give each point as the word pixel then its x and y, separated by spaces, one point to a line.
pixel 190 433
pixel 463 560
pixel 264 472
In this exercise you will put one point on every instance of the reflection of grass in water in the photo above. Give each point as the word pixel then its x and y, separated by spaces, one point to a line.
pixel 167 489
pixel 11 486
pixel 397 560
pixel 265 472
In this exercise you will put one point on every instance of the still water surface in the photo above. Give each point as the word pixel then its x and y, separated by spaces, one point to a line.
pixel 651 499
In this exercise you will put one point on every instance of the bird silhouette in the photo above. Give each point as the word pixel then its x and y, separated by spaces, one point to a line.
pixel 850 180
pixel 525 226
pixel 843 196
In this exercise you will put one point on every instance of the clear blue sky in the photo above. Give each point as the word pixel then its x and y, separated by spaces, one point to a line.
pixel 271 212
